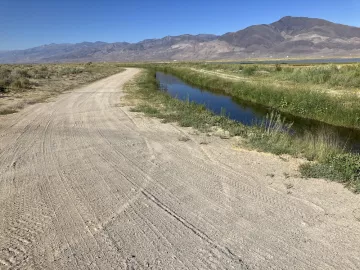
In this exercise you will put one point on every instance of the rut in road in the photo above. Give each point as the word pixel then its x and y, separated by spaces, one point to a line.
pixel 87 184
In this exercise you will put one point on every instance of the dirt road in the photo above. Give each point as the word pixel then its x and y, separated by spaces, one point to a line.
pixel 86 184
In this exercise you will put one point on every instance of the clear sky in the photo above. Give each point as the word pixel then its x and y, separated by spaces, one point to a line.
pixel 29 23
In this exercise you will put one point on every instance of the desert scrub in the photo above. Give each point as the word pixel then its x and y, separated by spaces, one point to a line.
pixel 16 78
pixel 22 77
pixel 32 83
pixel 20 83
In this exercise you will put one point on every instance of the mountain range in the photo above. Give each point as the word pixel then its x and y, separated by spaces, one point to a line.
pixel 288 37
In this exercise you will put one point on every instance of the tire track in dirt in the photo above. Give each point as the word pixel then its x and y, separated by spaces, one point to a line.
pixel 86 184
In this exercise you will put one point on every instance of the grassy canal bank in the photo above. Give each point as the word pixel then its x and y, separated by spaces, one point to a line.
pixel 326 157
pixel 296 99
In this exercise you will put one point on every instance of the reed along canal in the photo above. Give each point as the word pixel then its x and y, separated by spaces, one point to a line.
pixel 250 114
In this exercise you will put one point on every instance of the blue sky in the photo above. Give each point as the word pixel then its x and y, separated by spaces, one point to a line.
pixel 29 23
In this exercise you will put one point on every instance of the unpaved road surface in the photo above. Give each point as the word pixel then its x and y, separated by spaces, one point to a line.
pixel 86 184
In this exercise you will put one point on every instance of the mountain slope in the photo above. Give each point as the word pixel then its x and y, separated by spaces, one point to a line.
pixel 298 25
pixel 294 36
pixel 297 35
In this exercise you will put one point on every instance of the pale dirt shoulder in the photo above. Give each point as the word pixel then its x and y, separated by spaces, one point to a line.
pixel 278 173
pixel 86 183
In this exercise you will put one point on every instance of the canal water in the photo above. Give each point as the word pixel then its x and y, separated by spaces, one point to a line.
pixel 251 114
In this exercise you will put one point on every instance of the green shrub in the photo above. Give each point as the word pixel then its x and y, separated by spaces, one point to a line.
pixel 3 85
pixel 19 73
pixel 70 71
pixel 249 70
pixel 344 168
pixel 4 73
pixel 278 67
pixel 43 68
pixel 21 83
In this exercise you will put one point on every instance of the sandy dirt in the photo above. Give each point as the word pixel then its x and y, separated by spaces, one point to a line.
pixel 87 184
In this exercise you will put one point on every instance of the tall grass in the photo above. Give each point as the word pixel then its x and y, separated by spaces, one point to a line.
pixel 274 135
pixel 273 122
pixel 345 75
pixel 342 110
pixel 333 75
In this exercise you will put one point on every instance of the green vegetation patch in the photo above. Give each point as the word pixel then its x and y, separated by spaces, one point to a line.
pixel 343 75
pixel 343 168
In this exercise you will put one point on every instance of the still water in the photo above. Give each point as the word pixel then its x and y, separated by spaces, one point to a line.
pixel 249 113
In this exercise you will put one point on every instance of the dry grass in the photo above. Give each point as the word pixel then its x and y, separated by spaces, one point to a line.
pixel 333 79
pixel 22 85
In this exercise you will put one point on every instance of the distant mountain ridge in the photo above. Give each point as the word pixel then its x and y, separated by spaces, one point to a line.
pixel 290 36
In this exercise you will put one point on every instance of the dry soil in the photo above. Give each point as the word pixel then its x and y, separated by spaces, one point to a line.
pixel 87 184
